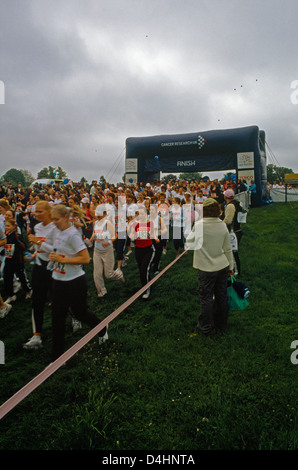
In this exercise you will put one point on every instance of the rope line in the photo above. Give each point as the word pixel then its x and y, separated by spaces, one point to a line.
pixel 19 396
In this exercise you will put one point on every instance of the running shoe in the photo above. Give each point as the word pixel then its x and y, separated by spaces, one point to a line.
pixel 13 298
pixel 104 338
pixel 16 286
pixel 5 310
pixel 101 294
pixel 122 278
pixel 76 325
pixel 146 295
pixel 34 343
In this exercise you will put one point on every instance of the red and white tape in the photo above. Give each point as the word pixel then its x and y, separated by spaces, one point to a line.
pixel 49 370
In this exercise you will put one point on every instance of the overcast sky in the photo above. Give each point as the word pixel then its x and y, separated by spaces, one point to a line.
pixel 80 76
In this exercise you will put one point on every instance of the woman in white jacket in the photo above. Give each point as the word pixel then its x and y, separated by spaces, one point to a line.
pixel 213 258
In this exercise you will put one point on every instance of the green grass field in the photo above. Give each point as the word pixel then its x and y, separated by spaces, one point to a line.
pixel 157 384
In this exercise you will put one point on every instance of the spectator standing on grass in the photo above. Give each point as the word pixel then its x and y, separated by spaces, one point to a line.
pixel 42 239
pixel 230 218
pixel 69 284
pixel 213 258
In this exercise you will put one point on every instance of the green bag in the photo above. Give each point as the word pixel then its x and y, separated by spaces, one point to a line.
pixel 235 301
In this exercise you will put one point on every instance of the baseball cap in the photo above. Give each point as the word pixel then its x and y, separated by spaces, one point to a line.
pixel 209 201
pixel 229 193
pixel 100 210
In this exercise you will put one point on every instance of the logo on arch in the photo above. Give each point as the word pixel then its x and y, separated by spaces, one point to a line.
pixel 201 141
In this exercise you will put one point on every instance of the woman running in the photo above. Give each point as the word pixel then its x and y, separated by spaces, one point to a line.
pixel 161 231
pixel 69 285
pixel 14 261
pixel 141 230
pixel 103 236
pixel 42 239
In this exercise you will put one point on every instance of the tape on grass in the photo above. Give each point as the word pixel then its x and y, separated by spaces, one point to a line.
pixel 49 370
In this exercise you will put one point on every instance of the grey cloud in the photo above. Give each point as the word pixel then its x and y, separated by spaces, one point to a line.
pixel 80 77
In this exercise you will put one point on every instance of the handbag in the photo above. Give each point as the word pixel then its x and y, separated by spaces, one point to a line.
pixel 236 301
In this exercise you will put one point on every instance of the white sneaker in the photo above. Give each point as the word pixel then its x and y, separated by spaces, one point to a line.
pixel 33 343
pixel 102 293
pixel 104 338
pixel 13 298
pixel 122 278
pixel 164 251
pixel 146 295
pixel 76 325
pixel 5 310
pixel 16 286
pixel 128 253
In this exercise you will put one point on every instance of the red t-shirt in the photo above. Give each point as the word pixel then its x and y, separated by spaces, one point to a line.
pixel 144 234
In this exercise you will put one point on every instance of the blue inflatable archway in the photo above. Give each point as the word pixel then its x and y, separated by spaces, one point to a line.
pixel 240 149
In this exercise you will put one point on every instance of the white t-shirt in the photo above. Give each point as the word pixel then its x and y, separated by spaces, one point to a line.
pixel 101 235
pixel 46 234
pixel 68 243
pixel 177 216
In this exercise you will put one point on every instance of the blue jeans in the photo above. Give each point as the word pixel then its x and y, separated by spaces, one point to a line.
pixel 214 300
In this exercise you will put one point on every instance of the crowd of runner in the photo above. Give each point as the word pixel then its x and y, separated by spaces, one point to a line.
pixel 108 219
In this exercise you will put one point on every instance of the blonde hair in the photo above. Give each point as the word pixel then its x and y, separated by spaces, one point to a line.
pixel 5 204
pixel 44 205
pixel 61 210
pixel 76 211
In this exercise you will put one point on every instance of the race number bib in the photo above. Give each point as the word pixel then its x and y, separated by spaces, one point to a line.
pixel 9 250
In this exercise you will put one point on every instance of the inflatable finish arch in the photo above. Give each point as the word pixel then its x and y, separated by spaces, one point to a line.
pixel 240 149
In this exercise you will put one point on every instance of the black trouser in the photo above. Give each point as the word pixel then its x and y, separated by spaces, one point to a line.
pixel 119 245
pixel 178 238
pixel 144 257
pixel 11 268
pixel 214 300
pixel 41 285
pixel 157 256
pixel 238 234
pixel 69 295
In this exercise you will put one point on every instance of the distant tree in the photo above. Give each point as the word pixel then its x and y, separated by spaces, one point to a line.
pixel 191 176
pixel 60 174
pixel 102 181
pixel 83 180
pixel 28 177
pixel 277 173
pixel 46 173
pixel 14 177
pixel 167 178
pixel 52 173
